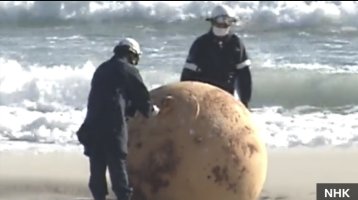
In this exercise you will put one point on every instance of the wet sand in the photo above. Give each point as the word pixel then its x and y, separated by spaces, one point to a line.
pixel 292 174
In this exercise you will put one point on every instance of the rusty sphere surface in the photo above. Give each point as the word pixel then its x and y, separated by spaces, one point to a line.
pixel 203 145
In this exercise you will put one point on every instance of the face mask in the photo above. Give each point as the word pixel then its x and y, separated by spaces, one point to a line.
pixel 220 31
pixel 133 58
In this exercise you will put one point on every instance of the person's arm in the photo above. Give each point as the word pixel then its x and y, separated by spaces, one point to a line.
pixel 138 92
pixel 243 74
pixel 244 84
pixel 189 72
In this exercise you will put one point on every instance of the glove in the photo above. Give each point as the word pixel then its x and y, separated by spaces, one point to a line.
pixel 155 110
pixel 247 106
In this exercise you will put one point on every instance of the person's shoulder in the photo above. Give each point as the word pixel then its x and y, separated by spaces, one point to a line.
pixel 101 72
pixel 236 38
pixel 104 66
pixel 128 68
pixel 131 69
pixel 101 67
pixel 204 37
pixel 201 39
pixel 125 65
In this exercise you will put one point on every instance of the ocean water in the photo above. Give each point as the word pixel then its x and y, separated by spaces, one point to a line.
pixel 304 55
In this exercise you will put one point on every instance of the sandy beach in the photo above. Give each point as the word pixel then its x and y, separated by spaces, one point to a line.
pixel 292 174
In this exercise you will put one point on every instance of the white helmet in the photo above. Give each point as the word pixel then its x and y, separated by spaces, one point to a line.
pixel 222 11
pixel 132 44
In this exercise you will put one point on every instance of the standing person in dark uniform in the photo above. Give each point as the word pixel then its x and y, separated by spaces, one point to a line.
pixel 219 57
pixel 117 92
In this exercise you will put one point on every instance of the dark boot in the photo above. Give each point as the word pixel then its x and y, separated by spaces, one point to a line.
pixel 124 194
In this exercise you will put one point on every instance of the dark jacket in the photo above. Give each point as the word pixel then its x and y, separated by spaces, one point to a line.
pixel 117 91
pixel 219 62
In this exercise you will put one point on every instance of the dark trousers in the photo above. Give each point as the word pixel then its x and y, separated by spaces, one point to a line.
pixel 118 175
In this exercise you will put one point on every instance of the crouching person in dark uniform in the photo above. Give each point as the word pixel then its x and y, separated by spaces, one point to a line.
pixel 219 57
pixel 116 87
